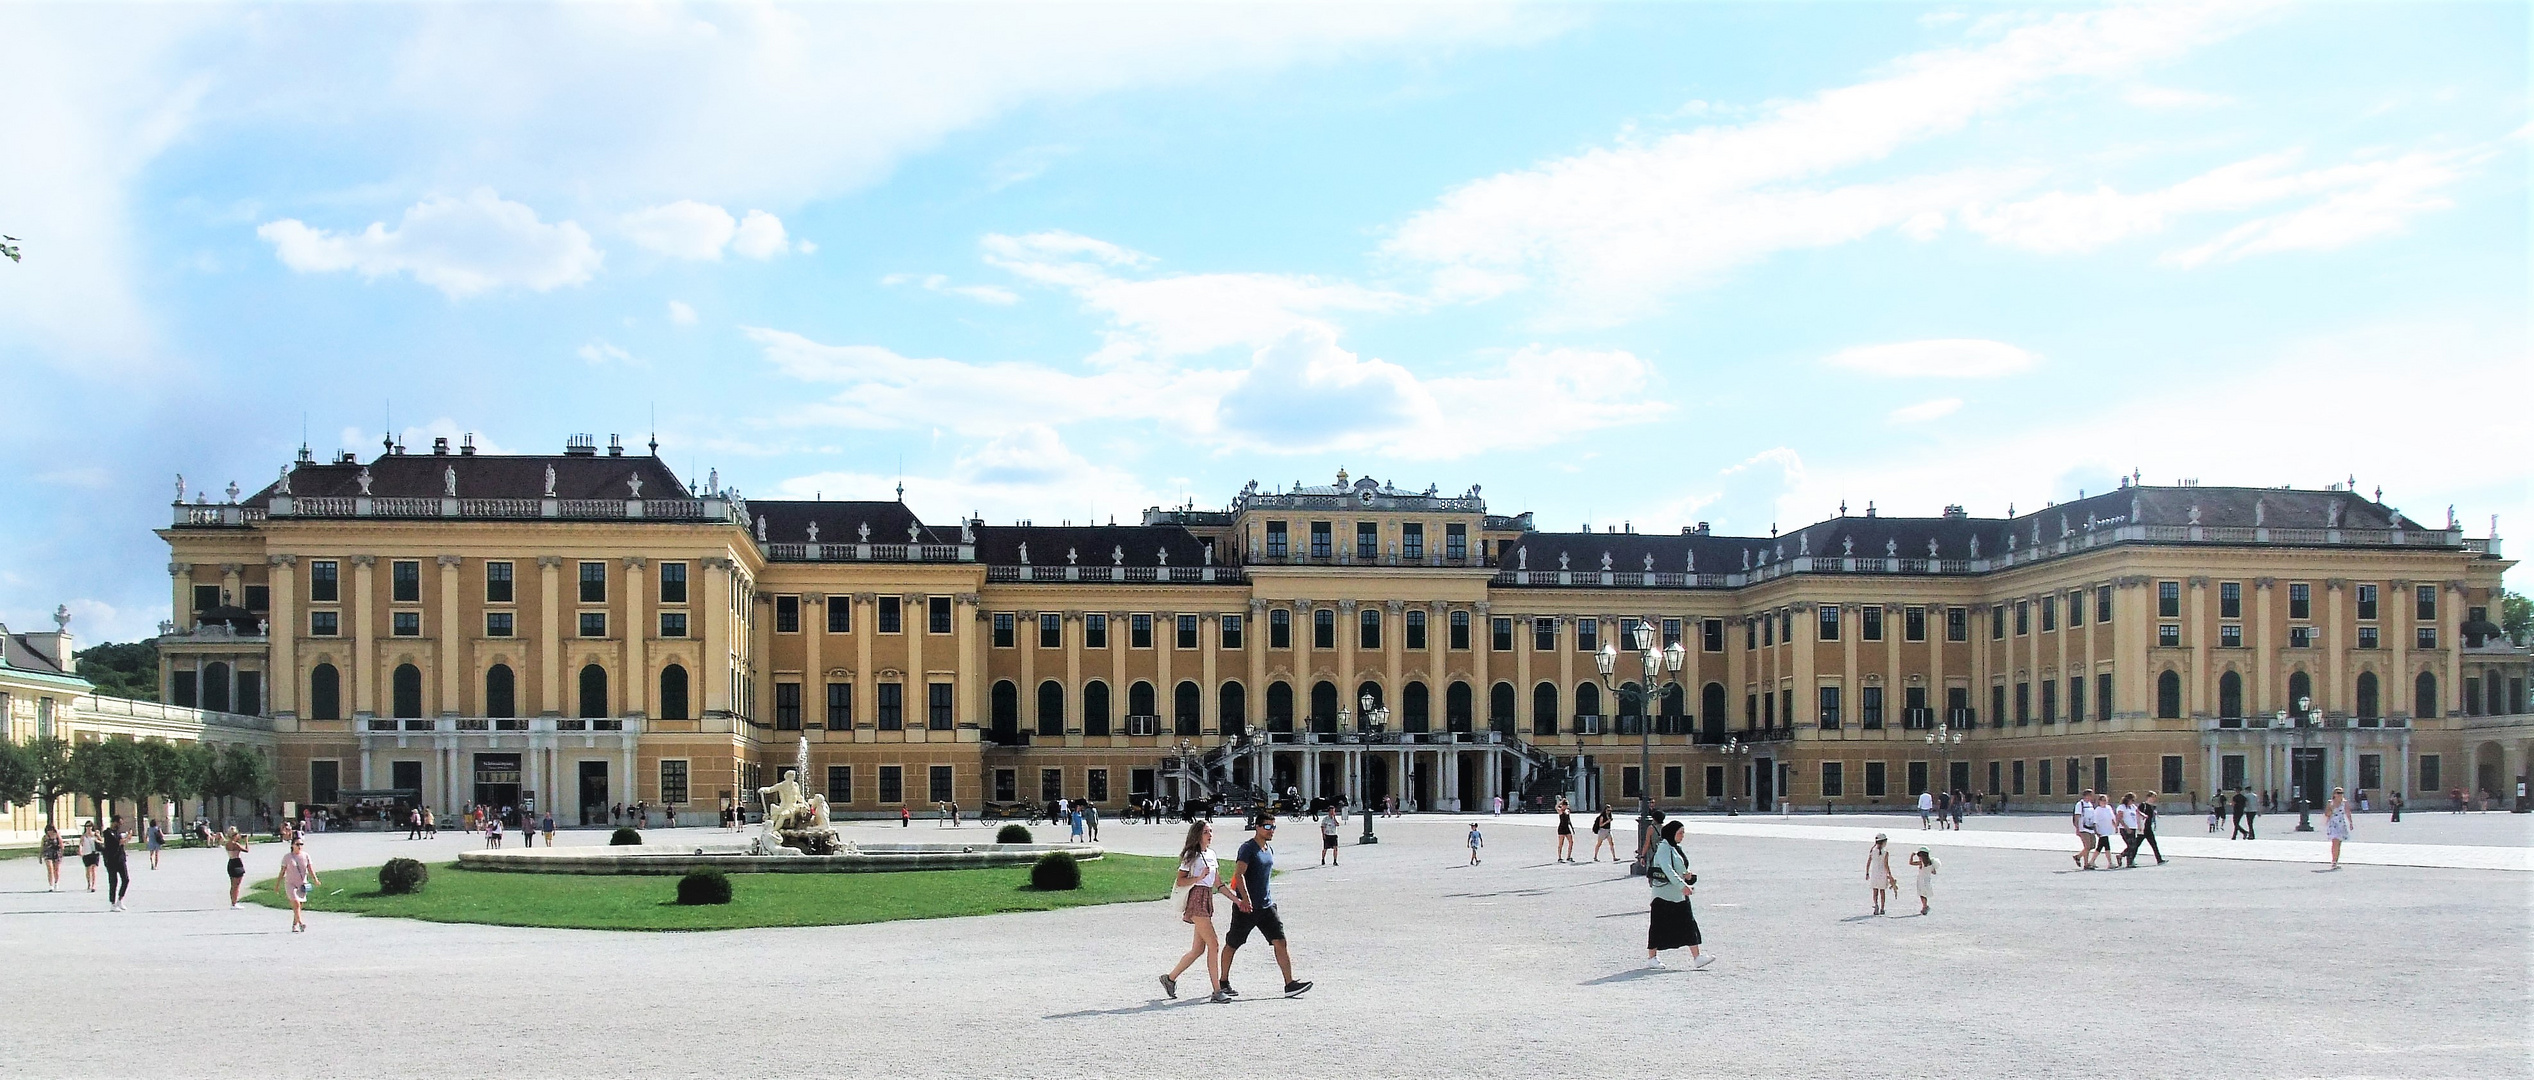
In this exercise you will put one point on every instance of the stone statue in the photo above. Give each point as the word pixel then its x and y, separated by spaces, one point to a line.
pixel 1605 562
pixel 967 531
pixel 1164 553
pixel 1025 553
pixel 1649 564
pixel 813 532
pixel 549 481
pixel 1931 547
pixel 712 481
pixel 1071 556
pixel 633 484
pixel 180 487
pixel 1746 558
pixel 2331 515
pixel 363 479
pixel 1561 560
pixel 1209 553
pixel 786 795
pixel 863 531
pixel 61 617
pixel 1975 547
pixel 1522 558
pixel 1891 548
pixel 449 481
pixel 761 528
pixel 794 825
pixel 2064 530
pixel 2036 528
pixel 1847 545
pixel 1693 560
pixel 2194 519
pixel 1804 544
pixel 914 533
pixel 2260 511
pixel 285 480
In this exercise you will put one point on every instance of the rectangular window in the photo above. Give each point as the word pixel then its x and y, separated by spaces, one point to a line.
pixel 1917 777
pixel 840 614
pixel 672 583
pixel 499 585
pixel 1768 710
pixel 2230 636
pixel 2074 782
pixel 2428 637
pixel 1957 624
pixel 2366 601
pixel 1671 633
pixel 1870 623
pixel 1629 782
pixel 2300 600
pixel 2076 609
pixel 2169 635
pixel 1500 634
pixel 2050 701
pixel 1003 635
pixel 322 581
pixel 2170 774
pixel 2431 777
pixel 1414 627
pixel 892 706
pixel 2102 603
pixel 1715 781
pixel 499 624
pixel 1186 637
pixel 2018 773
pixel 840 706
pixel 1456 542
pixel 942 791
pixel 672 624
pixel 1096 785
pixel 593 624
pixel 839 785
pixel 1320 540
pixel 1829 705
pixel 1877 780
pixel 2042 767
pixel 2023 703
pixel 1051 630
pixel 939 715
pixel 206 597
pixel 1587 635
pixel 2367 637
pixel 1279 629
pixel 1368 629
pixel 2103 696
pixel 1870 707
pixel 1412 541
pixel 2426 595
pixel 406 578
pixel 1544 635
pixel 2230 599
pixel 324 624
pixel 1051 785
pixel 1996 705
pixel 2023 617
pixel 1276 548
pixel 2076 699
pixel 1672 782
pixel 1324 628
pixel 325 781
pixel 1768 629
pixel 787 706
pixel 1913 623
pixel 2168 599
pixel 1235 628
pixel 937 609
pixel 1829 620
pixel 1095 631
pixel 2300 637
pixel 2102 773
pixel 1711 635
pixel 673 781
pixel 1834 782
pixel 787 614
pixel 892 615
pixel 1139 631
pixel 593 583
pixel 1367 541
pixel 1459 631
pixel 892 783
pixel 1997 622
pixel 2049 612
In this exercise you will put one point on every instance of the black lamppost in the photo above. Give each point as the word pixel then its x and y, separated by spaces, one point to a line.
pixel 1374 718
pixel 1647 696
pixel 2308 718
pixel 1734 749
pixel 1944 742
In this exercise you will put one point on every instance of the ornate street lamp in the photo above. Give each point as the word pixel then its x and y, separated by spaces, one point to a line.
pixel 1944 742
pixel 1647 695
pixel 1734 749
pixel 1375 717
pixel 2308 718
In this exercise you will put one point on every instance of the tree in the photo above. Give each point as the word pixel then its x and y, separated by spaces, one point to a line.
pixel 17 773
pixel 109 770
pixel 125 669
pixel 2516 617
pixel 172 773
pixel 49 759
pixel 238 772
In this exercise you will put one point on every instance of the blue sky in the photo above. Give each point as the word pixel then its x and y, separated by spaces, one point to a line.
pixel 1645 263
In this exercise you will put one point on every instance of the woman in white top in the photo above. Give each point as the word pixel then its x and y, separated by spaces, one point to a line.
pixel 2336 823
pixel 1198 874
pixel 1878 871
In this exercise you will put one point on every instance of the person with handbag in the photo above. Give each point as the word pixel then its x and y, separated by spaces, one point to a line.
pixel 1201 879
pixel 298 877
pixel 1670 924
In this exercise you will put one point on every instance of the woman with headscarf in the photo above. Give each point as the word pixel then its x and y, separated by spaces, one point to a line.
pixel 1671 924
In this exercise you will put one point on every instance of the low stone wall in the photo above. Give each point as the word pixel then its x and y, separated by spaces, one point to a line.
pixel 735 859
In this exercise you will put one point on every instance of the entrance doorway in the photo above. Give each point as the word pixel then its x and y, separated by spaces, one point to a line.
pixel 497 780
pixel 593 792
pixel 1763 784
pixel 2310 782
pixel 1960 776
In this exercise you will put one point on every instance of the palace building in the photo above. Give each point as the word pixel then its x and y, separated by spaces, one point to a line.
pixel 584 629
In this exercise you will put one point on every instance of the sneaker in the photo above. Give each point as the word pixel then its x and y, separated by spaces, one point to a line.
pixel 1297 989
pixel 1702 961
pixel 1653 962
pixel 1221 997
pixel 1170 986
pixel 1226 990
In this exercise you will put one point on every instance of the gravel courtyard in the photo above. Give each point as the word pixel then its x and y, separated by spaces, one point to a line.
pixel 2208 966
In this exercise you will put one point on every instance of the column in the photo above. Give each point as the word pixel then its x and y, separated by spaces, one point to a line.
pixel 813 671
pixel 866 693
pixel 364 689
pixel 181 606
pixel 1346 640
pixel 1254 639
pixel 1394 635
pixel 2195 682
pixel 1302 663
pixel 1482 643
pixel 1165 701
pixel 281 681
pixel 1209 692
pixel 1118 697
pixel 1438 667
pixel 1070 624
pixel 637 635
pixel 550 637
pixel 2450 617
pixel 1522 690
pixel 2337 638
pixel 2266 653
pixel 2397 626
pixel 1851 693
pixel 1310 775
pixel 451 636
pixel 966 611
pixel 1025 642
pixel 632 783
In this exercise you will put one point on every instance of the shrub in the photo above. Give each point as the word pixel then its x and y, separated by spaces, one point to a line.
pixel 1055 871
pixel 1012 834
pixel 624 838
pixel 402 876
pixel 706 886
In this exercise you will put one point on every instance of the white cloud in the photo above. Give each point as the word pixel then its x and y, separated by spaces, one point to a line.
pixel 1942 358
pixel 459 246
pixel 2168 97
pixel 600 353
pixel 681 313
pixel 760 236
pixel 1025 472
pixel 1926 410
pixel 684 229
pixel 1613 230
pixel 940 283
pixel 2365 202
pixel 2348 202
pixel 1184 314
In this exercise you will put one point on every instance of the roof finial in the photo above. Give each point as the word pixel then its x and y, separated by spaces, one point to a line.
pixel 901 491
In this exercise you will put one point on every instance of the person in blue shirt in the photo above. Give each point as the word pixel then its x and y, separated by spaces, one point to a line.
pixel 1475 842
pixel 1254 906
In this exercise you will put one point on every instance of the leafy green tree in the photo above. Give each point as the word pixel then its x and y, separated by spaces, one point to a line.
pixel 172 772
pixel 49 758
pixel 110 770
pixel 238 772
pixel 17 773
pixel 2516 617
pixel 126 669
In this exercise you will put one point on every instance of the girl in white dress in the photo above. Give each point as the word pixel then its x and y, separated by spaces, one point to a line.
pixel 1878 871
pixel 2336 823
pixel 1926 865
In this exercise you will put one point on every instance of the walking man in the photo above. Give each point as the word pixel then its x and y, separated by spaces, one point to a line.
pixel 1328 834
pixel 118 869
pixel 1254 906
pixel 1926 810
pixel 2243 818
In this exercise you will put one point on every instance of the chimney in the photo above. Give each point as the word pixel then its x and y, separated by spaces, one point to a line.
pixel 581 446
pixel 467 448
pixel 1955 512
pixel 615 446
pixel 440 446
pixel 56 645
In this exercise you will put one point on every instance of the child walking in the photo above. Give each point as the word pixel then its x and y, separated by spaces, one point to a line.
pixel 1475 842
pixel 1878 871
pixel 1926 865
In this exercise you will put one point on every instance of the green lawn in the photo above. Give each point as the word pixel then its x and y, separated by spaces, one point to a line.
pixel 648 902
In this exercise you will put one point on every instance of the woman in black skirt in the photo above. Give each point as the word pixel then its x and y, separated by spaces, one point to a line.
pixel 1671 925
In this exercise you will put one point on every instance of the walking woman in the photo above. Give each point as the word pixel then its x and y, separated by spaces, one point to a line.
pixel 154 838
pixel 1199 875
pixel 2336 823
pixel 52 852
pixel 298 877
pixel 235 845
pixel 1602 837
pixel 1565 832
pixel 1671 924
pixel 1878 871
pixel 88 840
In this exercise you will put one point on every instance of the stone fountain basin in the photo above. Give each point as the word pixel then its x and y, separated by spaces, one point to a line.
pixel 732 856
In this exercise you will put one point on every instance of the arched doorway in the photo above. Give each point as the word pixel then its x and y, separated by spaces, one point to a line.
pixel 593 692
pixel 1324 707
pixel 1006 715
pixel 1500 699
pixel 1456 708
pixel 1051 709
pixel 1280 707
pixel 1711 712
pixel 1415 708
pixel 405 691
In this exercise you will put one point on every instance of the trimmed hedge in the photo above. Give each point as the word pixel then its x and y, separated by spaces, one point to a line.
pixel 1055 871
pixel 401 876
pixel 624 838
pixel 706 886
pixel 1012 834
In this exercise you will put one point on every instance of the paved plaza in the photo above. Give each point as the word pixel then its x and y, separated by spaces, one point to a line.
pixel 2210 966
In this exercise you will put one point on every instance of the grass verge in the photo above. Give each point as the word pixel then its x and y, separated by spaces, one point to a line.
pixel 649 902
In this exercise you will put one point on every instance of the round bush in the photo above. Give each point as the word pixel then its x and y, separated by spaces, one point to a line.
pixel 624 838
pixel 1055 871
pixel 402 876
pixel 706 886
pixel 1012 834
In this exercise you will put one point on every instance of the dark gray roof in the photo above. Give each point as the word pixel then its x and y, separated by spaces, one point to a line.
pixel 14 648
pixel 839 521
pixel 1094 545
pixel 484 476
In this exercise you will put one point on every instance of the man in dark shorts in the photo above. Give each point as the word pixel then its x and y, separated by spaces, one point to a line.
pixel 1328 834
pixel 1254 907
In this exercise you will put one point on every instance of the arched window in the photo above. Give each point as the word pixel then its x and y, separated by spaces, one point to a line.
pixel 2300 688
pixel 215 687
pixel 1367 688
pixel 673 703
pixel 1414 708
pixel 2230 696
pixel 2369 707
pixel 1500 707
pixel 1675 711
pixel 1051 708
pixel 1544 709
pixel 593 692
pixel 1232 707
pixel 325 693
pixel 1186 701
pixel 1588 699
pixel 1140 700
pixel 2169 696
pixel 1457 707
pixel 1711 711
pixel 1095 708
pixel 1631 712
pixel 1006 703
pixel 501 691
pixel 1280 706
pixel 405 691
pixel 1324 706
pixel 2424 696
